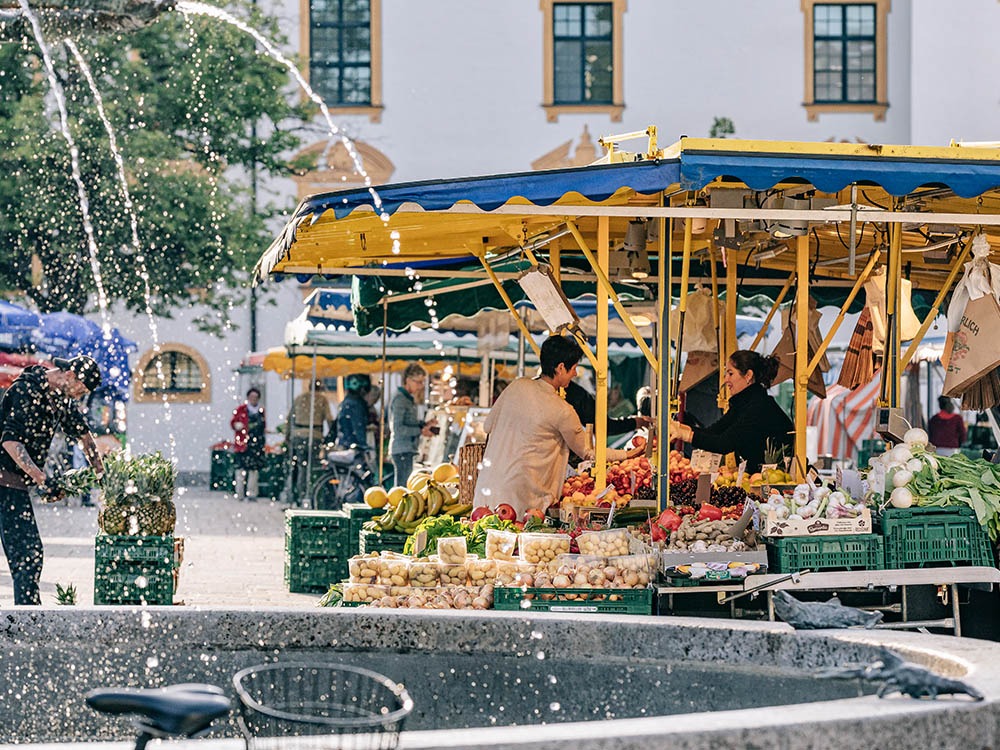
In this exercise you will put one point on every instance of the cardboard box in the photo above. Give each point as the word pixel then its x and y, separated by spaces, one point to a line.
pixel 775 526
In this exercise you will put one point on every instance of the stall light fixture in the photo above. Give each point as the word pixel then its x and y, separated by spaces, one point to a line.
pixel 635 249
pixel 783 229
pixel 547 296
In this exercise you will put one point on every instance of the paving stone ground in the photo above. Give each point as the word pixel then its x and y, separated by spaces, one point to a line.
pixel 233 552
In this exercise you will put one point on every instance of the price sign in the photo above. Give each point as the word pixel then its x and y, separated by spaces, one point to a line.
pixel 705 462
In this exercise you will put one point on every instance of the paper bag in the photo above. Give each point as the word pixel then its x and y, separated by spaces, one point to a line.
pixel 701 333
pixel 973 352
pixel 698 367
pixel 785 354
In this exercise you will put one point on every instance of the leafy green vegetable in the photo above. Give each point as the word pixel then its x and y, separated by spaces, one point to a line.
pixel 333 597
pixel 436 528
pixel 476 533
pixel 959 480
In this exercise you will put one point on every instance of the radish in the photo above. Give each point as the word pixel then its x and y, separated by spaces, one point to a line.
pixel 901 497
pixel 901 478
pixel 900 454
pixel 915 437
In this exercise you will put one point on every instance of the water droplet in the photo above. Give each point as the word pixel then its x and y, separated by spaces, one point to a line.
pixel 152 662
pixel 540 655
pixel 554 706
pixel 536 635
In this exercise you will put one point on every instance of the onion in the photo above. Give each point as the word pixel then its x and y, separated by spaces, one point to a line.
pixel 901 478
pixel 901 498
pixel 915 437
pixel 900 454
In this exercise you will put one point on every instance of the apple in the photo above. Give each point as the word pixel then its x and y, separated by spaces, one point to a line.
pixel 506 512
pixel 481 512
pixel 519 526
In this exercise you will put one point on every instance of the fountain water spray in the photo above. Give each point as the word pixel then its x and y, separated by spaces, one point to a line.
pixel 74 154
pixel 140 256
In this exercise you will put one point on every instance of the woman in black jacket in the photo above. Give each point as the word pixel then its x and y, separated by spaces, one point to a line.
pixel 753 418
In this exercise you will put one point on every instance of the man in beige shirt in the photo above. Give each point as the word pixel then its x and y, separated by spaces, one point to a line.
pixel 307 422
pixel 531 431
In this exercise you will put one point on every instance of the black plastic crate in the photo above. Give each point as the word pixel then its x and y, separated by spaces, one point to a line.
pixel 935 536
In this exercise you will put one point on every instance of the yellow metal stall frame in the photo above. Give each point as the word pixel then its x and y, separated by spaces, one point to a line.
pixel 326 237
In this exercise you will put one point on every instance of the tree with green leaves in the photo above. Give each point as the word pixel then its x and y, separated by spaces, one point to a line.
pixel 195 110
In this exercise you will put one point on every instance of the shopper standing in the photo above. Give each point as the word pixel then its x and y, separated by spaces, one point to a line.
pixel 249 426
pixel 407 427
pixel 947 431
pixel 38 402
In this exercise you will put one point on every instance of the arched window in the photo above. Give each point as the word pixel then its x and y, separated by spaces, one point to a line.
pixel 176 372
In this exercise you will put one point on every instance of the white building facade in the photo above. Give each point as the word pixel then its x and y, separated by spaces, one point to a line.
pixel 441 88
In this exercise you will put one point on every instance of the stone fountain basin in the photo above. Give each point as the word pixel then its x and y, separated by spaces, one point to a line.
pixel 491 680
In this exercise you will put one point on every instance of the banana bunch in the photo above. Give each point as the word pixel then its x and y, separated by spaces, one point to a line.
pixel 423 499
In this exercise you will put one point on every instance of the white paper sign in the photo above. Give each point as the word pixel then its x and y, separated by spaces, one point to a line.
pixel 705 462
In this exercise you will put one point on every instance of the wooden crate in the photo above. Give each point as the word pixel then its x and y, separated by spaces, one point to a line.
pixel 470 458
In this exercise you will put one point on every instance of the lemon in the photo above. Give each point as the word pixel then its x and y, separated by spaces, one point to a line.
pixel 376 497
pixel 395 495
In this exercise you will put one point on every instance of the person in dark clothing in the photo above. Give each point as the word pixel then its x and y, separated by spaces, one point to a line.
pixel 38 402
pixel 585 406
pixel 353 417
pixel 754 417
pixel 946 430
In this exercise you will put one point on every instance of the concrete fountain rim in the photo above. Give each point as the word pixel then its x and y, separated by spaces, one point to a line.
pixel 853 722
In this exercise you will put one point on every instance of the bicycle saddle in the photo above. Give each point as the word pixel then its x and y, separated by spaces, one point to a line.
pixel 344 457
pixel 184 710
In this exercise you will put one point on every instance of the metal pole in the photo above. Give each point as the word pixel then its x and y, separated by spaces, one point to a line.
pixel 312 422
pixel 385 387
pixel 801 351
pixel 601 373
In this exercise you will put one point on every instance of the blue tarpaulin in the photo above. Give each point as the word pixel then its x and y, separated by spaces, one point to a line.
pixel 62 334
pixel 16 325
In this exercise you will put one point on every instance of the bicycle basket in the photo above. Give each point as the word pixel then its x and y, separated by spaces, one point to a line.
pixel 328 706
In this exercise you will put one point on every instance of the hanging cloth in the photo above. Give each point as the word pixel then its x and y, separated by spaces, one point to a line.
pixel 701 333
pixel 875 302
pixel 859 359
pixel 785 350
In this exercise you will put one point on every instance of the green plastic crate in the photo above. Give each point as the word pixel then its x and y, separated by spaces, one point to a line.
pixel 853 552
pixel 632 602
pixel 374 541
pixel 317 533
pixel 307 575
pixel 915 537
pixel 222 475
pixel 864 456
pixel 113 549
pixel 133 582
pixel 360 514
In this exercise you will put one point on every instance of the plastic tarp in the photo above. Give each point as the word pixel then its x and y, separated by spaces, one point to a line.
pixel 63 334
pixel 313 237
pixel 16 325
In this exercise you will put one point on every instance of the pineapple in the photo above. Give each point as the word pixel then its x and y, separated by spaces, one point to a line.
pixel 137 496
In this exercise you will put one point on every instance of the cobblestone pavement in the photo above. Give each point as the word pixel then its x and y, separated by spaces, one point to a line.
pixel 233 552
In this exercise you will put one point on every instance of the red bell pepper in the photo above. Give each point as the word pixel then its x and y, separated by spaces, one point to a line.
pixel 657 533
pixel 669 520
pixel 709 512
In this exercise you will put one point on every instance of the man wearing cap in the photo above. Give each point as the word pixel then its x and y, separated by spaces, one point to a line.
pixel 38 402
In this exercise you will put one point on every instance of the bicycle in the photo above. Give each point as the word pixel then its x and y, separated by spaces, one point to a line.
pixel 331 705
pixel 345 478
pixel 187 710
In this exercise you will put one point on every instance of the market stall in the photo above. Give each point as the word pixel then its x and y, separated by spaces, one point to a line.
pixel 804 222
